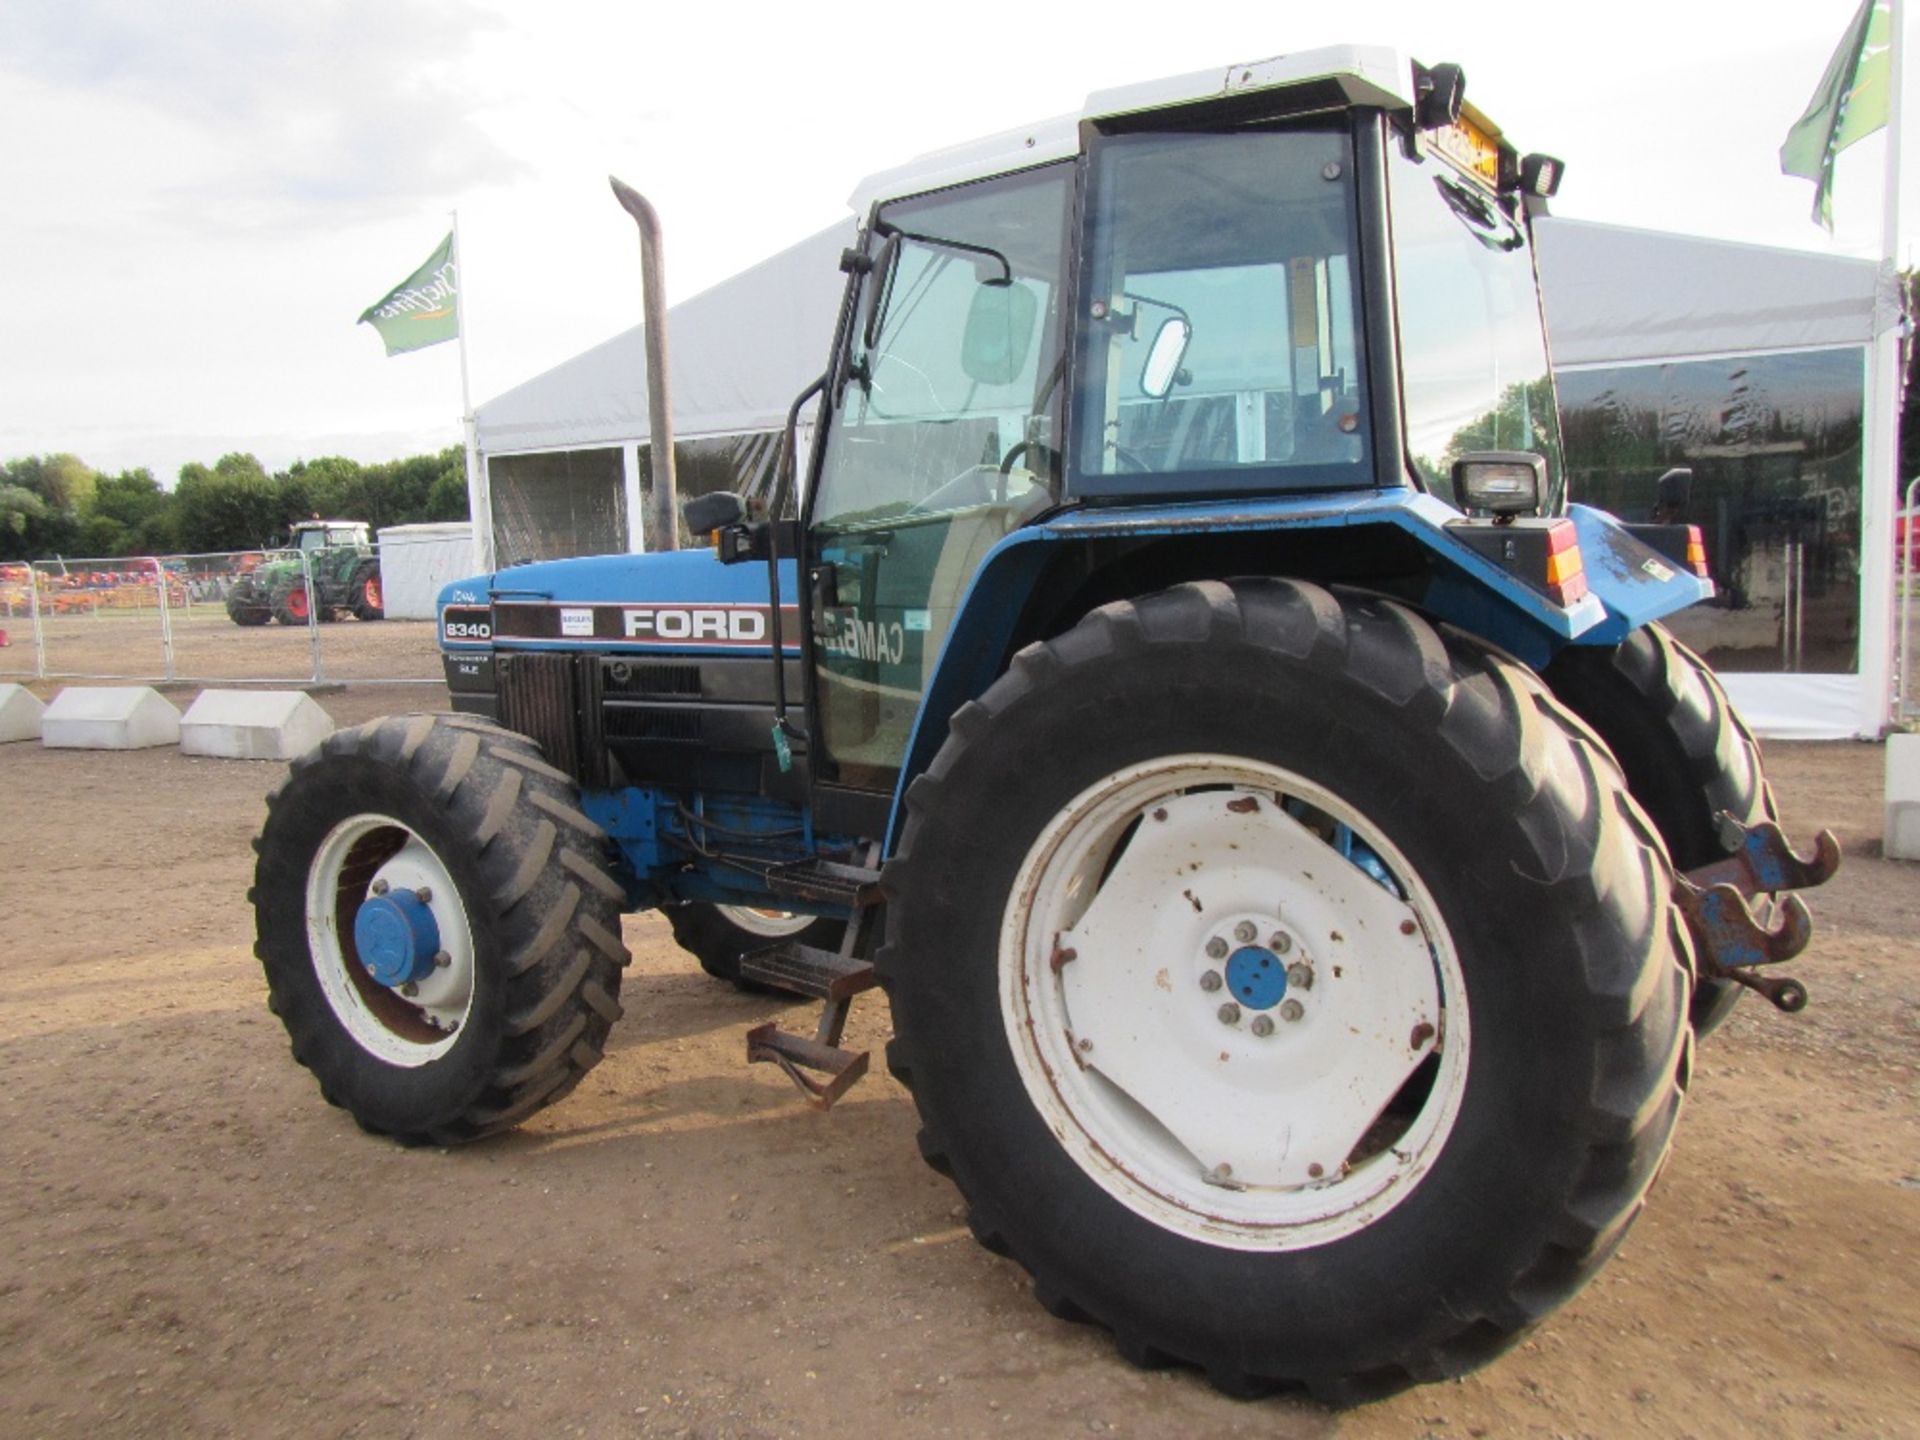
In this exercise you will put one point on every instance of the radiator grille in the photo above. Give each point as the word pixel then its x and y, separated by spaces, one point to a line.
pixel 539 698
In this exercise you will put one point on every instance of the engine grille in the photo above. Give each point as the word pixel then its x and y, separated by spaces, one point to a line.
pixel 554 700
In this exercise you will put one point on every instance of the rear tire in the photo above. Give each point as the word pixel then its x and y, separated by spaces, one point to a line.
pixel 365 596
pixel 515 1006
pixel 718 935
pixel 1687 755
pixel 1118 786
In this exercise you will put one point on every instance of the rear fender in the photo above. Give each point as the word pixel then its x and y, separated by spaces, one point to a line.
pixel 1629 584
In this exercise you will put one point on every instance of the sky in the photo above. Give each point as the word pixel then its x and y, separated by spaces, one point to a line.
pixel 201 196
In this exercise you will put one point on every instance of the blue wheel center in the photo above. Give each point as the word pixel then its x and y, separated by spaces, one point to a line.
pixel 397 937
pixel 1256 978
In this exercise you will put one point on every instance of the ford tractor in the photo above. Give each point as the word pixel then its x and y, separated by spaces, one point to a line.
pixel 1296 858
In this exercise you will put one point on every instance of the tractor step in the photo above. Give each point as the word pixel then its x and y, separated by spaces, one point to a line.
pixel 804 970
pixel 798 1055
pixel 826 882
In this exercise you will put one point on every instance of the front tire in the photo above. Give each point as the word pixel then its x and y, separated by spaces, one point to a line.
pixel 438 925
pixel 1459 1117
pixel 1687 756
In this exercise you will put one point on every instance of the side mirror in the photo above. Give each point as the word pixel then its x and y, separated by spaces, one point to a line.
pixel 1169 348
pixel 1673 494
pixel 1000 325
pixel 879 283
pixel 707 513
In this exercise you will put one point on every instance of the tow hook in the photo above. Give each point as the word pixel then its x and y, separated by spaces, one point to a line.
pixel 1731 941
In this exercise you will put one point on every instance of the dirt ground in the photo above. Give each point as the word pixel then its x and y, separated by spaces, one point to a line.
pixel 192 1243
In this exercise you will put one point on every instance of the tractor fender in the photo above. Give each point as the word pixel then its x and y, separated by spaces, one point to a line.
pixel 1629 585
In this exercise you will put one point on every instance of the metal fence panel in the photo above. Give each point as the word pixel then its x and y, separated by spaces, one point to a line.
pixel 238 617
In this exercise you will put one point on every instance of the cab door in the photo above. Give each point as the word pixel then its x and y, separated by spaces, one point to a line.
pixel 941 440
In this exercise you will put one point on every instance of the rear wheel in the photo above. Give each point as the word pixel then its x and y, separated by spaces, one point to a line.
pixel 1687 756
pixel 439 930
pixel 718 935
pixel 1332 1026
pixel 365 598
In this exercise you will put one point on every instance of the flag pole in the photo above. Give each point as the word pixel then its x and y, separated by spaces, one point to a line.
pixel 1878 664
pixel 479 497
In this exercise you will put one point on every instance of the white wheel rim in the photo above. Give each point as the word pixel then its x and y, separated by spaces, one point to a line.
pixel 359 854
pixel 1206 1126
pixel 768 924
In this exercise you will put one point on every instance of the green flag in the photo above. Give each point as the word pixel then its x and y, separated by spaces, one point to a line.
pixel 1850 103
pixel 422 309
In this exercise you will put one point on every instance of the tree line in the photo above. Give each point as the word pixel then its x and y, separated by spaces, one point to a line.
pixel 58 505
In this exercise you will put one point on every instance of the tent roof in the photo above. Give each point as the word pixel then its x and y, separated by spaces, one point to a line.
pixel 741 351
pixel 1614 296
pixel 1621 296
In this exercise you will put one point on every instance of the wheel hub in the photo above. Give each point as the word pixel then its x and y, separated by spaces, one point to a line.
pixel 397 937
pixel 1256 977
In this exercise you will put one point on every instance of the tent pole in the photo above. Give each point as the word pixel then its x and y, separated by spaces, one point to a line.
pixel 1883 425
pixel 479 501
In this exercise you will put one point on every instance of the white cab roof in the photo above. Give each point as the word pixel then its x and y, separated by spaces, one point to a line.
pixel 1371 75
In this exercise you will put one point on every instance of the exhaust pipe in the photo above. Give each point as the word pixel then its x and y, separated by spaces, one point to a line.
pixel 663 524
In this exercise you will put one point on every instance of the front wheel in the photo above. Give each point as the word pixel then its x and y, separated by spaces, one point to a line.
pixel 292 607
pixel 439 930
pixel 1326 1024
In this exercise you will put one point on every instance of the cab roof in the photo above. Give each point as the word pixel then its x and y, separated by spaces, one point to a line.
pixel 1366 75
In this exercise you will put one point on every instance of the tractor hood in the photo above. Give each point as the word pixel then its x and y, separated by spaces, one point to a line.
pixel 675 602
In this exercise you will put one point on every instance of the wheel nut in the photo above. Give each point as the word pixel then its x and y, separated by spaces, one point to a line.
pixel 1229 1014
pixel 1300 975
pixel 1216 949
pixel 1244 932
pixel 379 887
pixel 441 959
pixel 1210 981
pixel 1281 942
pixel 409 989
pixel 1291 1010
pixel 1262 1025
pixel 423 895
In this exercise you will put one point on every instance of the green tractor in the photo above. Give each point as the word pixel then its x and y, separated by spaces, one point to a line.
pixel 337 554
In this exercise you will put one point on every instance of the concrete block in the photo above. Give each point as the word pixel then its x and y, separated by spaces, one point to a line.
pixel 253 724
pixel 20 711
pixel 109 717
pixel 1903 797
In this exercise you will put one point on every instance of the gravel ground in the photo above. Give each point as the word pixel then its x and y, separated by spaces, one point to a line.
pixel 192 1243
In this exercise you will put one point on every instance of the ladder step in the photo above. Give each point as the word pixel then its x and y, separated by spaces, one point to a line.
pixel 804 970
pixel 826 882
pixel 796 1055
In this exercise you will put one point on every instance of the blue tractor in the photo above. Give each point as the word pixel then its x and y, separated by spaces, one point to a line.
pixel 1297 859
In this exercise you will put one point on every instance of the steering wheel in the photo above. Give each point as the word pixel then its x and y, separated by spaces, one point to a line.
pixel 1131 460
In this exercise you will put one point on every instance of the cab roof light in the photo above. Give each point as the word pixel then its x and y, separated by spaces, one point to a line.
pixel 1438 93
pixel 1540 175
pixel 1500 483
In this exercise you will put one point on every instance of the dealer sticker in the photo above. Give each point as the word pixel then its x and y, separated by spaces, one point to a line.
pixel 576 622
pixel 1657 570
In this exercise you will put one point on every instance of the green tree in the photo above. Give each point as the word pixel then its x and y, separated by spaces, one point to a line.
pixel 233 506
